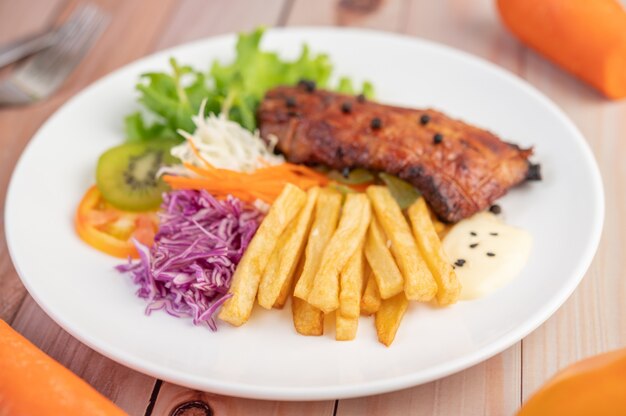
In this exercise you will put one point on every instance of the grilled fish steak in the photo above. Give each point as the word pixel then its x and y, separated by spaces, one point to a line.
pixel 460 169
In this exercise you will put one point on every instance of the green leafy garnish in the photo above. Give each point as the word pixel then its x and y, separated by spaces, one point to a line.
pixel 355 176
pixel 403 192
pixel 236 88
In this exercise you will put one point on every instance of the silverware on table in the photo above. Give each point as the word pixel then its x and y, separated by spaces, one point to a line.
pixel 24 47
pixel 43 73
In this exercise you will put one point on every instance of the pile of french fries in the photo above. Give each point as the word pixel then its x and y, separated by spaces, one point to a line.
pixel 354 255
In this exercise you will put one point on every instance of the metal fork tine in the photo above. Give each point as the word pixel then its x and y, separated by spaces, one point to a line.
pixel 43 73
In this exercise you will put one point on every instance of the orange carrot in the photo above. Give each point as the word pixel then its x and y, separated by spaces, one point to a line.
pixel 265 183
pixel 32 383
pixel 586 37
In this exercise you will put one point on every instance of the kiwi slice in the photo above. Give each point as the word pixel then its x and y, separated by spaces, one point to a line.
pixel 126 175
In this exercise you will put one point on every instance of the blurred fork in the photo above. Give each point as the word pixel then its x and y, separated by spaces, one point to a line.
pixel 44 72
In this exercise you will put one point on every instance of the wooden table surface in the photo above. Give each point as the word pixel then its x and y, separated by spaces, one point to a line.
pixel 587 324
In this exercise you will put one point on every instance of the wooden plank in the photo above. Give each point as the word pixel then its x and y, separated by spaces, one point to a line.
pixel 172 397
pixel 193 19
pixel 129 389
pixel 485 389
pixel 16 20
pixel 591 321
pixel 373 14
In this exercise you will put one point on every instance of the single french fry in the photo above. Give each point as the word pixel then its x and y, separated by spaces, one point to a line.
pixel 389 316
pixel 327 210
pixel 370 302
pixel 350 233
pixel 307 319
pixel 345 328
pixel 245 284
pixel 381 261
pixel 351 285
pixel 284 259
pixel 449 288
pixel 419 283
pixel 287 288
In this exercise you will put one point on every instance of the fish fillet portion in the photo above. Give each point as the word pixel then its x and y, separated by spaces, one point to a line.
pixel 460 169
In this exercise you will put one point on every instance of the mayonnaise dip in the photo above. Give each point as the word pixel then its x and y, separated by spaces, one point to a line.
pixel 487 253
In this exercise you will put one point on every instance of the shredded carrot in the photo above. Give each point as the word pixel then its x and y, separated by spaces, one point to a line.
pixel 265 183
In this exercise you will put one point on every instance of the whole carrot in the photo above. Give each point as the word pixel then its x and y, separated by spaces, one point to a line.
pixel 585 37
pixel 32 383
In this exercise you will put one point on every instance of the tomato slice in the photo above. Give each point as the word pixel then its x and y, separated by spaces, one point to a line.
pixel 111 230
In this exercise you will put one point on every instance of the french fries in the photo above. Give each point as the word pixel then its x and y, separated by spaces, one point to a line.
pixel 327 212
pixel 419 283
pixel 247 276
pixel 345 328
pixel 370 302
pixel 380 259
pixel 351 285
pixel 282 263
pixel 389 316
pixel 307 319
pixel 429 245
pixel 350 233
pixel 287 288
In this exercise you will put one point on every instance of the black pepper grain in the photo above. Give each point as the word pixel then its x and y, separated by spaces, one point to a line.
pixel 360 98
pixel 290 102
pixel 490 254
pixel 437 138
pixel 308 85
pixel 346 107
pixel 424 119
pixel 345 172
pixel 376 123
pixel 473 245
pixel 495 209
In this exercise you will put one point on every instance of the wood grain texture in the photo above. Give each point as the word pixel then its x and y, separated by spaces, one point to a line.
pixel 171 397
pixel 22 23
pixel 591 321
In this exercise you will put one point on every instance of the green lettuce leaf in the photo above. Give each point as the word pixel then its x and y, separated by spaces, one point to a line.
pixel 236 88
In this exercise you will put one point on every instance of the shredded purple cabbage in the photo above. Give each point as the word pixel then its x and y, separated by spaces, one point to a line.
pixel 189 268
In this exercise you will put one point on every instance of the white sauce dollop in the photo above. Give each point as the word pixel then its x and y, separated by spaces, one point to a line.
pixel 491 252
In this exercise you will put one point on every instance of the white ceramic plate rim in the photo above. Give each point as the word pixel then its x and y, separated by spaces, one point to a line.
pixel 243 389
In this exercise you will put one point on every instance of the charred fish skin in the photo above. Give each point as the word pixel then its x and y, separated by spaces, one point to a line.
pixel 459 168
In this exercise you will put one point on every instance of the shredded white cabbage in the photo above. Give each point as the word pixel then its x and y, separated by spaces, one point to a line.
pixel 225 144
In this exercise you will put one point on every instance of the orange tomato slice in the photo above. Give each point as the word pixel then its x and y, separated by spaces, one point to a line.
pixel 111 230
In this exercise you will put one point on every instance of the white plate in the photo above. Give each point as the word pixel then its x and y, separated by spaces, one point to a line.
pixel 79 289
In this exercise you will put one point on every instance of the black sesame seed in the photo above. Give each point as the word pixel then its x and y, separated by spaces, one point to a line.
pixel 345 172
pixel 495 209
pixel 437 138
pixel 308 85
pixel 473 233
pixel 490 254
pixel 424 119
pixel 290 102
pixel 494 234
pixel 346 107
pixel 376 123
pixel 360 98
pixel 459 262
pixel 473 245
